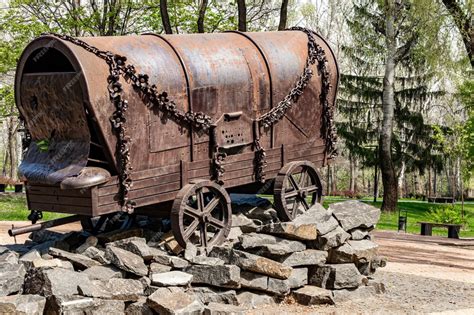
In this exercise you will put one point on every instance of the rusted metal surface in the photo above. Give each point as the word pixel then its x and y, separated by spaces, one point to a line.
pixel 297 187
pixel 44 225
pixel 233 78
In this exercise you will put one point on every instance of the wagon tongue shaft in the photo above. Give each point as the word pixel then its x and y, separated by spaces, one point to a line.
pixel 43 225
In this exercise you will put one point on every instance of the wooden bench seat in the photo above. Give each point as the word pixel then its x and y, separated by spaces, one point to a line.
pixel 453 229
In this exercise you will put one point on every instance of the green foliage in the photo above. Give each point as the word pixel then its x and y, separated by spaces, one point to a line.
pixel 466 92
pixel 43 145
pixel 446 214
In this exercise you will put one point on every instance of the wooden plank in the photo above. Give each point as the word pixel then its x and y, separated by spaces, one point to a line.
pixel 144 183
pixel 291 155
pixel 60 208
pixel 140 193
pixel 57 191
pixel 141 202
pixel 249 171
pixel 64 200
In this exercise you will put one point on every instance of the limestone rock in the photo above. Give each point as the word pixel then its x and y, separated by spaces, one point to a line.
pixel 126 260
pixel 340 276
pixel 251 299
pixel 190 252
pixel 171 278
pixel 158 268
pixel 28 258
pixel 79 261
pixel 332 239
pixel 298 278
pixel 278 286
pixel 253 281
pixel 163 258
pixel 291 230
pixel 57 281
pixel 103 273
pixel 207 295
pixel 115 288
pixel 305 258
pixel 354 251
pixel 136 245
pixel 51 263
pixel 241 220
pixel 251 262
pixel 355 214
pixel 226 276
pixel 359 234
pixel 11 278
pixel 269 245
pixel 139 308
pixel 117 235
pixel 209 261
pixel 91 241
pixel 22 304
pixel 312 295
pixel 169 301
pixel 96 254
pixel 342 254
pixel 83 305
pixel 223 309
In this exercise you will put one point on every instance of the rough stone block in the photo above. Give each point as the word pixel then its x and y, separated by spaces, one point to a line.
pixel 22 304
pixel 253 280
pixel 207 295
pixel 57 281
pixel 103 273
pixel 305 258
pixel 139 308
pixel 252 300
pixel 330 240
pixel 83 305
pixel 79 261
pixel 169 301
pixel 355 214
pixel 11 278
pixel 96 254
pixel 91 241
pixel 126 260
pixel 226 276
pixel 223 309
pixel 341 276
pixel 269 245
pixel 312 295
pixel 171 278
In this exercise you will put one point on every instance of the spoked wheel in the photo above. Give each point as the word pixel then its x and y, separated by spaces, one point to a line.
pixel 107 222
pixel 201 214
pixel 297 187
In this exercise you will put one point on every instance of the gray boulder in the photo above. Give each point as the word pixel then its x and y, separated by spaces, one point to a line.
pixel 79 261
pixel 226 276
pixel 223 309
pixel 117 289
pixel 158 268
pixel 103 273
pixel 126 260
pixel 252 299
pixel 305 258
pixel 172 300
pixel 83 305
pixel 171 278
pixel 332 239
pixel 251 262
pixel 269 245
pixel 91 241
pixel 354 251
pixel 359 234
pixel 164 258
pixel 136 245
pixel 57 281
pixel 312 295
pixel 22 304
pixel 96 254
pixel 139 308
pixel 254 281
pixel 355 214
pixel 341 276
pixel 207 295
pixel 12 277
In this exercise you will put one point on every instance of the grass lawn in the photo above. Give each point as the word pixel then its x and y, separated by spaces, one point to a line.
pixel 13 208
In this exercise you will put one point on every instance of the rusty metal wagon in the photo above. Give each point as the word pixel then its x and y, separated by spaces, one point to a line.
pixel 166 125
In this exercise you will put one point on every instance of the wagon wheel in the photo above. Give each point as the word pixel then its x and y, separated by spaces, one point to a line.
pixel 107 222
pixel 201 214
pixel 297 188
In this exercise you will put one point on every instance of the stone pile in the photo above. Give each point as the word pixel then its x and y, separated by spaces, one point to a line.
pixel 322 257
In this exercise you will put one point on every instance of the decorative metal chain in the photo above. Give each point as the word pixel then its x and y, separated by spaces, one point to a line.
pixel 198 120
pixel 315 53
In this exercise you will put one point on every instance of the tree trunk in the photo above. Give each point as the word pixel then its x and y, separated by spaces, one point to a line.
pixel 242 9
pixel 352 173
pixel 283 15
pixel 389 178
pixel 465 24
pixel 165 18
pixel 202 14
pixel 401 180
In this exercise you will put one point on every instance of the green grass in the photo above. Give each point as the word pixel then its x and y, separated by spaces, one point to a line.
pixel 13 208
pixel 417 211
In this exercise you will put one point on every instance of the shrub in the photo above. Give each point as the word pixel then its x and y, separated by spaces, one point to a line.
pixel 446 214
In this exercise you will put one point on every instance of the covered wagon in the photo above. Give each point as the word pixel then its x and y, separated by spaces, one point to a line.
pixel 167 125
